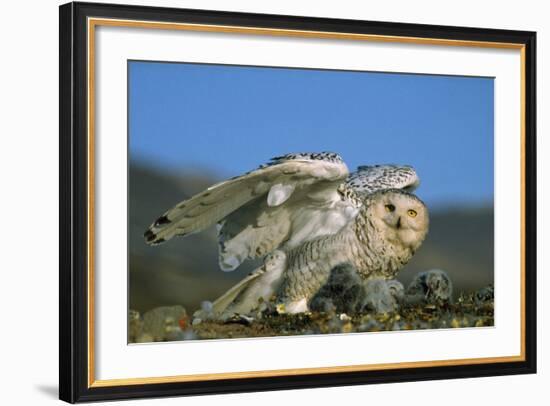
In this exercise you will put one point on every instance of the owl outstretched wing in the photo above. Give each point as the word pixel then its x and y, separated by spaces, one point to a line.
pixel 292 198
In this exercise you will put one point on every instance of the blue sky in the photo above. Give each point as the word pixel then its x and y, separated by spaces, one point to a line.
pixel 229 119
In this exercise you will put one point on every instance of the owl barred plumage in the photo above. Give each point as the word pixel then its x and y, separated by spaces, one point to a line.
pixel 320 156
pixel 303 214
pixel 370 178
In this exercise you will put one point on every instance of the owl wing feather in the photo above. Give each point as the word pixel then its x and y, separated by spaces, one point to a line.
pixel 371 178
pixel 262 209
pixel 225 300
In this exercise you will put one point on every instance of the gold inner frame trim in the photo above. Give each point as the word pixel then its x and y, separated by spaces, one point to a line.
pixel 94 22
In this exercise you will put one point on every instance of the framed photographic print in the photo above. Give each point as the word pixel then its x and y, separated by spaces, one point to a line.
pixel 254 202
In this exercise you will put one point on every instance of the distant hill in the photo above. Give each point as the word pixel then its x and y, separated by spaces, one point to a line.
pixel 185 270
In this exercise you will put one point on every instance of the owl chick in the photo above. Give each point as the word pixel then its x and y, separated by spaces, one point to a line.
pixel 346 292
pixel 383 296
pixel 433 286
pixel 304 214
pixel 484 295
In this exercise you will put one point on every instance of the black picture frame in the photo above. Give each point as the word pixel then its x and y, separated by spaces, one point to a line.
pixel 74 383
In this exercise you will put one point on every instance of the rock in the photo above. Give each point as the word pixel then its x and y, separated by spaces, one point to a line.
pixel 164 323
pixel 144 338
pixel 135 326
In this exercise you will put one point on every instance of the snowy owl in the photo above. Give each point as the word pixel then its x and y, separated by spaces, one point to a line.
pixel 304 214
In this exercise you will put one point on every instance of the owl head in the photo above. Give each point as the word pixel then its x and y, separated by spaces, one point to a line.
pixel 400 218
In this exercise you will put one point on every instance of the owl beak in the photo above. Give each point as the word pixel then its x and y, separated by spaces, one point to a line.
pixel 398 224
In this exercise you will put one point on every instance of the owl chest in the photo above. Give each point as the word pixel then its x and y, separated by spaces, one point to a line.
pixel 375 257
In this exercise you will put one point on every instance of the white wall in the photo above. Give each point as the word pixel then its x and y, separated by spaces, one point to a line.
pixel 29 189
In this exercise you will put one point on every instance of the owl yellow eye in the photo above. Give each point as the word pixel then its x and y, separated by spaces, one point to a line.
pixel 412 213
pixel 389 208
